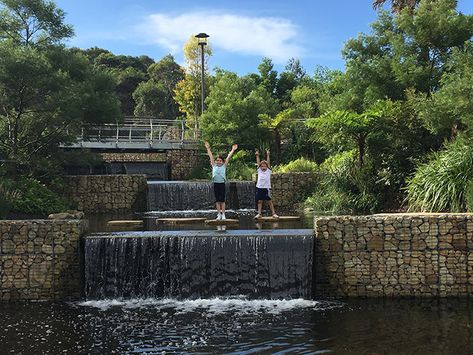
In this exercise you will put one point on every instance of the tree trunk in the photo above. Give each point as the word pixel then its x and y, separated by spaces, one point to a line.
pixel 277 138
pixel 361 150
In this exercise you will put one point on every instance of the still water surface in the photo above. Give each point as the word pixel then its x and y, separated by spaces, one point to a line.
pixel 238 326
pixel 98 223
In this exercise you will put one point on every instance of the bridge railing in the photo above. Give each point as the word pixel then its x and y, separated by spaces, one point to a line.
pixel 140 131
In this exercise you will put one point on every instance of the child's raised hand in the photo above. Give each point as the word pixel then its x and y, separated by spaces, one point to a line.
pixel 256 151
pixel 267 151
pixel 235 147
pixel 207 145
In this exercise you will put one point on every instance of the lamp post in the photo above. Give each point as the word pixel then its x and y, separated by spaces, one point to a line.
pixel 202 38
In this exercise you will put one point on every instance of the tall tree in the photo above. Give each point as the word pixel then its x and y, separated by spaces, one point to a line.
pixel 269 76
pixel 397 5
pixel 128 71
pixel 46 91
pixel 346 128
pixel 127 81
pixel 292 76
pixel 187 92
pixel 32 23
pixel 408 51
pixel 449 111
pixel 155 97
pixel 236 110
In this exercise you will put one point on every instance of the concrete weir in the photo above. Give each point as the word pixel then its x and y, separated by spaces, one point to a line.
pixel 392 255
pixel 267 264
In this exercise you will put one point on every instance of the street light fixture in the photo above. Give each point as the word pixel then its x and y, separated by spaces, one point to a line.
pixel 202 38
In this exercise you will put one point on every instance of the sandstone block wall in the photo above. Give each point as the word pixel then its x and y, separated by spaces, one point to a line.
pixel 394 255
pixel 40 260
pixel 133 157
pixel 180 161
pixel 107 193
pixel 290 189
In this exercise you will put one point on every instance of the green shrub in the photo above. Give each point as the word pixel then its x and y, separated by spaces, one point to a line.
pixel 329 199
pixel 34 198
pixel 469 196
pixel 441 184
pixel 241 166
pixel 8 193
pixel 298 165
pixel 344 188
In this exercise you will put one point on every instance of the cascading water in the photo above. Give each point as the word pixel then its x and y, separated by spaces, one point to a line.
pixel 197 195
pixel 200 264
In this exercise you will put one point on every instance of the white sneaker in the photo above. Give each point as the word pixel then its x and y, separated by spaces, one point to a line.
pixel 258 216
pixel 222 216
pixel 219 216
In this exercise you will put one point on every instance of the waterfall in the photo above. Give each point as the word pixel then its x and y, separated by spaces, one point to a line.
pixel 200 264
pixel 191 195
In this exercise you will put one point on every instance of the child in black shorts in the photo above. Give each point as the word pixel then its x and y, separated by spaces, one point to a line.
pixel 219 167
pixel 263 185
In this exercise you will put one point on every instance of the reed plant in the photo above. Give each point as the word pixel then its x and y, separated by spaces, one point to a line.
pixel 441 184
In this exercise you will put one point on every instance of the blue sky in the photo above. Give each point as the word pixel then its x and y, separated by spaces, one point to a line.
pixel 242 32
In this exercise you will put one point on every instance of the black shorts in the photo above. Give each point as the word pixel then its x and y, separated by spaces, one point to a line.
pixel 263 194
pixel 219 191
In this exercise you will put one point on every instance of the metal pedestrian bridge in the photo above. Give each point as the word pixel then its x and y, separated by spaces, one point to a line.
pixel 140 133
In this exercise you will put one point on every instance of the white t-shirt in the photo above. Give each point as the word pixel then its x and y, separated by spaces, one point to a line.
pixel 264 179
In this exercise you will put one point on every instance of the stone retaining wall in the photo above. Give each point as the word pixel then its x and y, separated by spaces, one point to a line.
pixel 180 161
pixel 134 157
pixel 290 189
pixel 39 259
pixel 394 255
pixel 107 193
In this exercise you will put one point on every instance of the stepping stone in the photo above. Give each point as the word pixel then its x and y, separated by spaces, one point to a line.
pixel 181 220
pixel 220 222
pixel 134 223
pixel 280 219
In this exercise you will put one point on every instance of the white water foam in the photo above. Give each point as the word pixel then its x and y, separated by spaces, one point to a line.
pixel 215 306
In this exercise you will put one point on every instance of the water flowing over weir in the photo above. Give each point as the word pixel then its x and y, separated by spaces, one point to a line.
pixel 200 264
pixel 197 195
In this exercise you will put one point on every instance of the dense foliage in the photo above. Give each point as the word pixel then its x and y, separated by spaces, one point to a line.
pixel 391 132
pixel 46 93
pixel 298 165
pixel 441 184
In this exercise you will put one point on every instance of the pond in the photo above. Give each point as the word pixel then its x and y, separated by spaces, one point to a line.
pixel 238 326
pixel 245 217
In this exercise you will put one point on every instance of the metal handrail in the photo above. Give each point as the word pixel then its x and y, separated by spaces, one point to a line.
pixel 141 130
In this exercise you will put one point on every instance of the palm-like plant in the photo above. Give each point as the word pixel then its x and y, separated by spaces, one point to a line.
pixel 397 5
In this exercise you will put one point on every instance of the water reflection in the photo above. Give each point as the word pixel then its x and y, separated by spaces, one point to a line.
pixel 98 222
pixel 231 327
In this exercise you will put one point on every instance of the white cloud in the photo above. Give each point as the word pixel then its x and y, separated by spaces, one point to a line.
pixel 272 37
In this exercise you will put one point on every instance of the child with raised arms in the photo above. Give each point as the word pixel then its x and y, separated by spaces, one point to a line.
pixel 263 184
pixel 219 167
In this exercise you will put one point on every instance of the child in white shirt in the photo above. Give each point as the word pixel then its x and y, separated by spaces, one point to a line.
pixel 263 185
